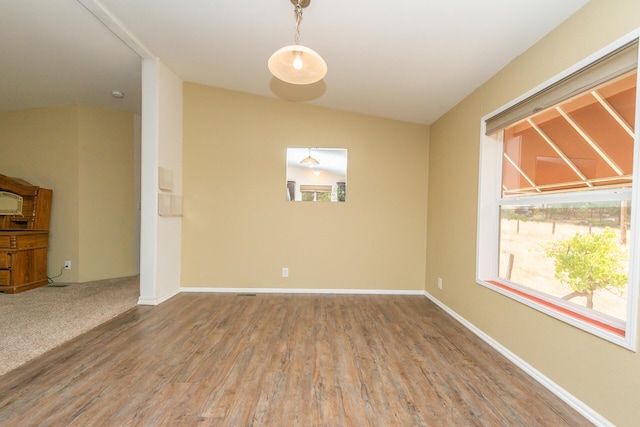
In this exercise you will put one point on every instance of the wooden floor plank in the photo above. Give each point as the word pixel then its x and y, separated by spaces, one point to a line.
pixel 278 360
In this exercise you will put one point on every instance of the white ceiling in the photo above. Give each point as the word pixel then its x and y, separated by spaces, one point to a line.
pixel 54 52
pixel 411 60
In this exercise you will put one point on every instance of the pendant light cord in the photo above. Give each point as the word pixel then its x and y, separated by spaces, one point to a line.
pixel 297 13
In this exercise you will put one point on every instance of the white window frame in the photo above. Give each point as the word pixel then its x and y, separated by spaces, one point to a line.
pixel 490 200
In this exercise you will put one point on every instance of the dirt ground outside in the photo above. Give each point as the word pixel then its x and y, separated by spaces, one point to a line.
pixel 533 269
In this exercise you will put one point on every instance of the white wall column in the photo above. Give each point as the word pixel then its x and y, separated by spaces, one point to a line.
pixel 160 236
pixel 161 146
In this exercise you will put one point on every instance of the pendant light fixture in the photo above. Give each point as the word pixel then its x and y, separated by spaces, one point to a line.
pixel 309 161
pixel 297 64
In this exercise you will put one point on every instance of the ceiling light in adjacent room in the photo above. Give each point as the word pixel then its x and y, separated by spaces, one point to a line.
pixel 309 161
pixel 297 64
pixel 117 94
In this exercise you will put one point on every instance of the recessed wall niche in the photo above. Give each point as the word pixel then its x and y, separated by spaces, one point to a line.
pixel 316 174
pixel 169 204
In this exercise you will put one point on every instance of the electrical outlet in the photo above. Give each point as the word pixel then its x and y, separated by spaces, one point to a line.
pixel 285 272
pixel 67 265
pixel 439 283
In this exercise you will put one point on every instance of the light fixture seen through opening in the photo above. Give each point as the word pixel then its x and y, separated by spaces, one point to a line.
pixel 297 64
pixel 309 161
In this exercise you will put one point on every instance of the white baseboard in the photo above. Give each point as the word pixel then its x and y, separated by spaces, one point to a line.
pixel 168 296
pixel 304 291
pixel 155 301
pixel 563 394
pixel 147 301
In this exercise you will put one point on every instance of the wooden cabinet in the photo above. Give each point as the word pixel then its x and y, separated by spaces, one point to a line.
pixel 23 260
pixel 24 236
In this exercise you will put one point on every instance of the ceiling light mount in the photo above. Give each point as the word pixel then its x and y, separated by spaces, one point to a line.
pixel 297 64
pixel 301 3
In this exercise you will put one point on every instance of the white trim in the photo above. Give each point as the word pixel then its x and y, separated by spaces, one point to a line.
pixel 573 321
pixel 116 26
pixel 149 181
pixel 576 196
pixel 488 228
pixel 303 291
pixel 147 301
pixel 545 381
pixel 157 301
pixel 634 247
pixel 170 295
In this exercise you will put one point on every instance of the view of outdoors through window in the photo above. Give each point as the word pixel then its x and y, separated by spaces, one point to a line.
pixel 576 252
pixel 316 196
pixel 572 247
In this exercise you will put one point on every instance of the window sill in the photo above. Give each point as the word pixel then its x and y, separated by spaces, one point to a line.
pixel 616 335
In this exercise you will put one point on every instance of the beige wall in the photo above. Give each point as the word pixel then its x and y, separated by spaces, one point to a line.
pixel 105 138
pixel 85 155
pixel 604 376
pixel 239 231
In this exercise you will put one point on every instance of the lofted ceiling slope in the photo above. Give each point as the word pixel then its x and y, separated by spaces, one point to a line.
pixel 409 61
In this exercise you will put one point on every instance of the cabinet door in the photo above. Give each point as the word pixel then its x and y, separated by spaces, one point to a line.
pixel 5 277
pixel 5 260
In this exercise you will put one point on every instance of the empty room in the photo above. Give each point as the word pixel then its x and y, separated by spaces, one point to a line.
pixel 320 213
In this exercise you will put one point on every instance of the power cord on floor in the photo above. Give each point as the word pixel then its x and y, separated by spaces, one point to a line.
pixel 50 279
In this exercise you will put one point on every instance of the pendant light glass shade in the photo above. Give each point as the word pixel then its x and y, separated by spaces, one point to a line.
pixel 309 161
pixel 297 64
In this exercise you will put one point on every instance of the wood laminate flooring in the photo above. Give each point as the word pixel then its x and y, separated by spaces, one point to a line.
pixel 279 360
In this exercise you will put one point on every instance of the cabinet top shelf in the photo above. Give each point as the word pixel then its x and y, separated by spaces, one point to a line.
pixel 35 209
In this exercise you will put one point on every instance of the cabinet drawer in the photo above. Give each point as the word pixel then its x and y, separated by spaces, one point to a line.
pixel 5 241
pixel 5 277
pixel 5 260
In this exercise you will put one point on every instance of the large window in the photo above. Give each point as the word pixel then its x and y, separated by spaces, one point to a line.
pixel 316 193
pixel 556 226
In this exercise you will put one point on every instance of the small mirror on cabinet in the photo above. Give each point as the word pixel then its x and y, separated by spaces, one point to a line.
pixel 316 174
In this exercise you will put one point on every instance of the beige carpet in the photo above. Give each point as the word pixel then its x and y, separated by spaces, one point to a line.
pixel 38 320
